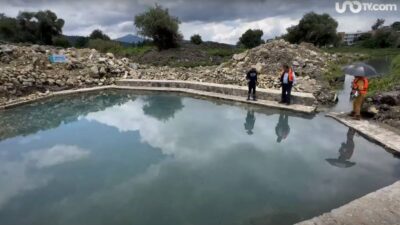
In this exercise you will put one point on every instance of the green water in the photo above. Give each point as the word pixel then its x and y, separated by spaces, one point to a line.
pixel 123 158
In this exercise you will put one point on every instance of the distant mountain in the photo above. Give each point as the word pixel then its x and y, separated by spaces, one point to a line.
pixel 130 39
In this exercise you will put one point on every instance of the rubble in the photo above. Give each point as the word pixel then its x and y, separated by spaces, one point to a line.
pixel 25 69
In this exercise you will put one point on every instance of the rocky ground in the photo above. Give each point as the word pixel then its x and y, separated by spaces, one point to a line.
pixel 268 60
pixel 385 107
pixel 25 69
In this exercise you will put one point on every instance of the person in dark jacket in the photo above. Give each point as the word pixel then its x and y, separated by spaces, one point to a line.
pixel 288 79
pixel 251 78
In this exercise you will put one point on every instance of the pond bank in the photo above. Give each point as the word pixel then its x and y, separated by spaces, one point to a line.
pixel 227 94
pixel 380 207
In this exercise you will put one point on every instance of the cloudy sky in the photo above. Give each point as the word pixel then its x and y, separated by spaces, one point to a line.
pixel 216 20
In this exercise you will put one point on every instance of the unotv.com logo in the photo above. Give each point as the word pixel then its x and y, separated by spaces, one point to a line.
pixel 357 6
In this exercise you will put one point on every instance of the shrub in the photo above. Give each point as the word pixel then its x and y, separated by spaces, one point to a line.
pixel 196 39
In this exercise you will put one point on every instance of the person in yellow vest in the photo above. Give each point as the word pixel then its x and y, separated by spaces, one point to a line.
pixel 359 92
pixel 288 79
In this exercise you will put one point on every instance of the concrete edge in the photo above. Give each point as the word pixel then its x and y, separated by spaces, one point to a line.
pixel 271 104
pixel 371 131
pixel 378 207
pixel 301 94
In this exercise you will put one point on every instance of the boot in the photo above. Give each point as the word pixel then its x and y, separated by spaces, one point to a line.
pixel 254 98
pixel 351 114
pixel 248 97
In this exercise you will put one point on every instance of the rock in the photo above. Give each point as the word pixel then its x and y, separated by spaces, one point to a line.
pixel 373 110
pixel 110 55
pixel 390 98
pixel 102 71
pixel 134 66
pixel 240 56
pixel 94 71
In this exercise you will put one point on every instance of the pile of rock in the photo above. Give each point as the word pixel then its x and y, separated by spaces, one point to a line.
pixel 385 107
pixel 268 60
pixel 27 69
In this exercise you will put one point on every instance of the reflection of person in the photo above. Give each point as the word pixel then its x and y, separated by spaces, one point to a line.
pixel 347 149
pixel 250 121
pixel 345 152
pixel 288 79
pixel 282 129
pixel 251 78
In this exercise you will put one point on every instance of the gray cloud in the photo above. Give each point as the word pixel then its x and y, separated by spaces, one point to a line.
pixel 116 17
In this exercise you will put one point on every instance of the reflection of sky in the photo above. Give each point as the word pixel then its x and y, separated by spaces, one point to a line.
pixel 198 167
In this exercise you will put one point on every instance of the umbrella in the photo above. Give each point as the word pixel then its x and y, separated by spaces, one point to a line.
pixel 340 163
pixel 360 69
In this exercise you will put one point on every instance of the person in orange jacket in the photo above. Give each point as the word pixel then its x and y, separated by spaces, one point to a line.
pixel 359 93
pixel 288 79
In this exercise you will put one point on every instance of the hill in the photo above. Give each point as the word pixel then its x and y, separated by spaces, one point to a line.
pixel 130 39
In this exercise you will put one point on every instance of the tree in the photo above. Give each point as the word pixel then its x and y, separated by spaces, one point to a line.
pixel 251 38
pixel 196 39
pixel 81 42
pixel 156 23
pixel 35 27
pixel 61 41
pixel 318 29
pixel 378 24
pixel 8 27
pixel 98 34
pixel 395 26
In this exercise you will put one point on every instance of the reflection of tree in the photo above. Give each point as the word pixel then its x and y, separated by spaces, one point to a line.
pixel 162 107
pixel 44 115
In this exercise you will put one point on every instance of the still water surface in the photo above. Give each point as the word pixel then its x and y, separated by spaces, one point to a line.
pixel 122 158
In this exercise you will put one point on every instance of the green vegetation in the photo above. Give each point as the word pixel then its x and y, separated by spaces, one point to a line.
pixel 61 41
pixel 117 48
pixel 196 39
pixel 157 24
pixel 367 52
pixel 389 81
pixel 319 29
pixel 98 34
pixel 34 27
pixel 381 37
pixel 251 38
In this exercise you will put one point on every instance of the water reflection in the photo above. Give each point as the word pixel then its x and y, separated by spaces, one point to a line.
pixel 122 166
pixel 282 129
pixel 29 119
pixel 162 107
pixel 250 121
pixel 346 151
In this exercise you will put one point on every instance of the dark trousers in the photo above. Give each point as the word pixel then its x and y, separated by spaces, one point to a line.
pixel 252 88
pixel 286 91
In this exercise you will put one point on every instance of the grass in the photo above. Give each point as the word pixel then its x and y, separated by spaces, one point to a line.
pixel 369 52
pixel 355 53
pixel 389 81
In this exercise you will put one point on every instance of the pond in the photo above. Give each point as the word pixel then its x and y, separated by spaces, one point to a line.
pixel 140 158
